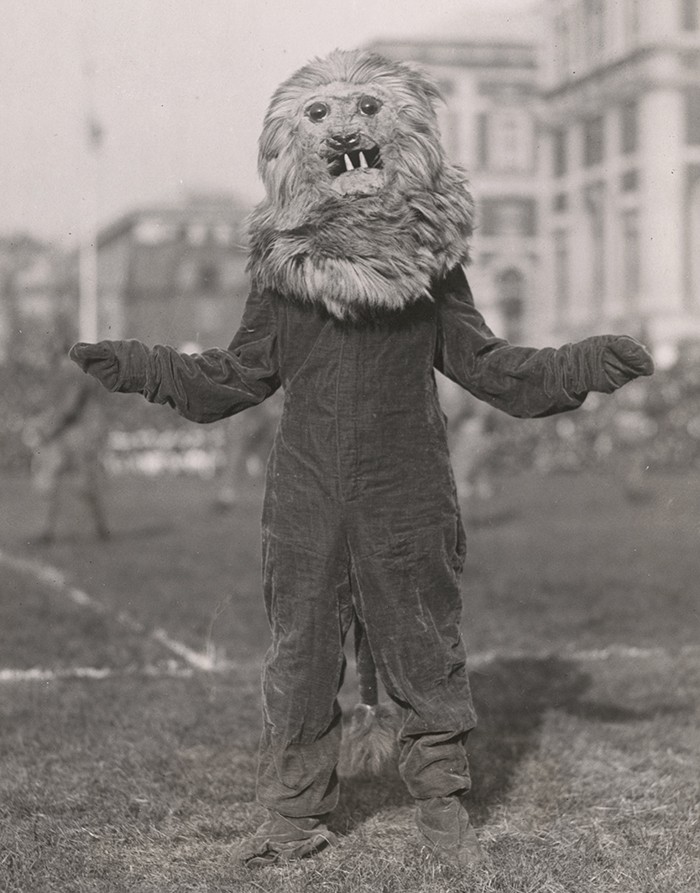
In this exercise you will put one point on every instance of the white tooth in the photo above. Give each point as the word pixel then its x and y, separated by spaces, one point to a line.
pixel 348 164
pixel 363 160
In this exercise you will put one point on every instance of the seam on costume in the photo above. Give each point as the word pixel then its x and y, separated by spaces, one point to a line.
pixel 341 494
pixel 414 533
pixel 297 545
pixel 354 471
pixel 308 356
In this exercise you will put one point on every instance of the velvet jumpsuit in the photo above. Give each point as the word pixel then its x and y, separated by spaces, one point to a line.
pixel 360 511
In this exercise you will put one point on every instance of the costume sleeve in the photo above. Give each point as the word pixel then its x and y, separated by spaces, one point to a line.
pixel 204 387
pixel 525 381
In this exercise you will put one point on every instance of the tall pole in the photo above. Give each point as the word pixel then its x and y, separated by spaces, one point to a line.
pixel 87 252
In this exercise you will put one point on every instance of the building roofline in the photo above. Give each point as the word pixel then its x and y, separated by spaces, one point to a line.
pixel 461 53
pixel 610 67
pixel 205 207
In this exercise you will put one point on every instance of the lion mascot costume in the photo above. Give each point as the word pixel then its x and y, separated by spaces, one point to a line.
pixel 357 295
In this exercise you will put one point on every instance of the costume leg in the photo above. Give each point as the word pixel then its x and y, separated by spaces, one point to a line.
pixel 48 473
pixel 51 509
pixel 307 599
pixel 90 484
pixel 410 603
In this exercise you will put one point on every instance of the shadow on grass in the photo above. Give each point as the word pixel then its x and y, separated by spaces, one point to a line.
pixel 512 697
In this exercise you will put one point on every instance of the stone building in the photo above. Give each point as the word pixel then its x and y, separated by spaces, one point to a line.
pixel 621 104
pixel 35 291
pixel 174 274
pixel 489 126
pixel 583 150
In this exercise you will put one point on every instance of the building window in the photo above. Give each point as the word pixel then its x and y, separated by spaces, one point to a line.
pixel 508 217
pixel 562 286
pixel 559 153
pixel 594 197
pixel 593 141
pixel 594 29
pixel 505 140
pixel 511 288
pixel 209 277
pixel 632 21
pixel 690 19
pixel 629 127
pixel 562 39
pixel 482 139
pixel 629 181
pixel 631 257
pixel 693 260
pixel 692 116
pixel 560 203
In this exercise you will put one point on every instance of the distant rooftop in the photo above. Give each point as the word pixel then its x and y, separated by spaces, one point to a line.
pixel 202 207
pixel 461 53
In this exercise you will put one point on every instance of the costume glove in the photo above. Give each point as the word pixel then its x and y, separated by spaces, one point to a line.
pixel 118 365
pixel 610 361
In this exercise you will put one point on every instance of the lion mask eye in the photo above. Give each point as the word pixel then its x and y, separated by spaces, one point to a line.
pixel 369 106
pixel 317 111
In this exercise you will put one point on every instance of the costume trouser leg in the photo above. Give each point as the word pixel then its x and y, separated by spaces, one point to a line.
pixel 408 597
pixel 307 597
pixel 410 603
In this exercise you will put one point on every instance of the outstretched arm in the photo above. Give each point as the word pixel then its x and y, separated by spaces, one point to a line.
pixel 202 387
pixel 525 381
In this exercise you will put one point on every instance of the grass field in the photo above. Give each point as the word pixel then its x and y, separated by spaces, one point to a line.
pixel 129 699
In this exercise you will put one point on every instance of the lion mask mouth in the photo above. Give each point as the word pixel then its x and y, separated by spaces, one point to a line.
pixel 355 160
pixel 362 209
pixel 358 171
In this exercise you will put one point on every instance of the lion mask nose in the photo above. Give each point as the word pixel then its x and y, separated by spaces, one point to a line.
pixel 343 142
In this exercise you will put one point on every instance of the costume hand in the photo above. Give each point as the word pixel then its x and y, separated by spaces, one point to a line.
pixel 621 360
pixel 99 360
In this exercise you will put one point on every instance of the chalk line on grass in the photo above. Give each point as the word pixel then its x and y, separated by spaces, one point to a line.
pixel 587 655
pixel 56 580
pixel 39 674
pixel 480 660
pixel 208 660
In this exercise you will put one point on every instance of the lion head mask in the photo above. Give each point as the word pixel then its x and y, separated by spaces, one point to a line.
pixel 362 209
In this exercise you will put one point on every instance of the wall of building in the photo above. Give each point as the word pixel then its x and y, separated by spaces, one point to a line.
pixel 624 224
pixel 584 158
pixel 174 275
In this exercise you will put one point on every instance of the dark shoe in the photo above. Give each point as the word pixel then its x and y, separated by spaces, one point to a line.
pixel 446 830
pixel 283 839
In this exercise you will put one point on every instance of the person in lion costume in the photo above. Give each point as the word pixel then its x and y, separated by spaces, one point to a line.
pixel 358 294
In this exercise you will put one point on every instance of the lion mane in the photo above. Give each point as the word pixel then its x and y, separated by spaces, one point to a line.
pixel 362 210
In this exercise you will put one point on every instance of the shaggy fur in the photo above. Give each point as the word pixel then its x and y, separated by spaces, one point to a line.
pixel 372 238
pixel 370 742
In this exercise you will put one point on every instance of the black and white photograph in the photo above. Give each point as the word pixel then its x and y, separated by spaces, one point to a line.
pixel 350 446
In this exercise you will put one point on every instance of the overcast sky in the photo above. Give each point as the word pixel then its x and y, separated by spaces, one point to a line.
pixel 180 88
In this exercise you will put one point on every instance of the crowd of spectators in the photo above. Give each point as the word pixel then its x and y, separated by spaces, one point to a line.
pixel 652 423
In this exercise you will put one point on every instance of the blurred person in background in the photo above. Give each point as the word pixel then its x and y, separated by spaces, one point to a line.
pixel 67 439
